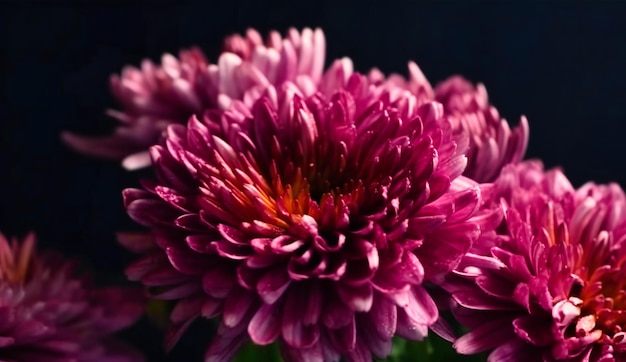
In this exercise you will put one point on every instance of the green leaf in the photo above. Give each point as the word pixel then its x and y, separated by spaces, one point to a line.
pixel 432 349
pixel 158 312
pixel 252 352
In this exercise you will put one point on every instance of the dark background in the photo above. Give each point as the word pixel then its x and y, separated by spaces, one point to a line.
pixel 561 64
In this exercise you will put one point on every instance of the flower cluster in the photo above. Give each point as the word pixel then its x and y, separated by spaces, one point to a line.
pixel 155 96
pixel 329 212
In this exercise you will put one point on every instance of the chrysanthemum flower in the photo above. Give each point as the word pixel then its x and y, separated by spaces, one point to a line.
pixel 552 288
pixel 155 96
pixel 49 312
pixel 308 221
pixel 492 142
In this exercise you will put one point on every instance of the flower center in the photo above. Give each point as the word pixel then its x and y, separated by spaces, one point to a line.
pixel 596 309
pixel 604 299
pixel 16 259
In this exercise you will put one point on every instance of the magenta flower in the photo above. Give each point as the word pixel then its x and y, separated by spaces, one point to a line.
pixel 311 221
pixel 155 96
pixel 492 142
pixel 552 287
pixel 51 313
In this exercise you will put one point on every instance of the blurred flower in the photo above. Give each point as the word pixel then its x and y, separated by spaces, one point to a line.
pixel 50 313
pixel 492 142
pixel 552 288
pixel 155 96
pixel 312 221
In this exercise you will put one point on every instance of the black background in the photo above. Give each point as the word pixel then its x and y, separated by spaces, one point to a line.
pixel 560 64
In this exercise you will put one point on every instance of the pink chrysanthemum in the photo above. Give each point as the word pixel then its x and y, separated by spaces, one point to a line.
pixel 492 142
pixel 155 96
pixel 309 221
pixel 50 313
pixel 552 287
